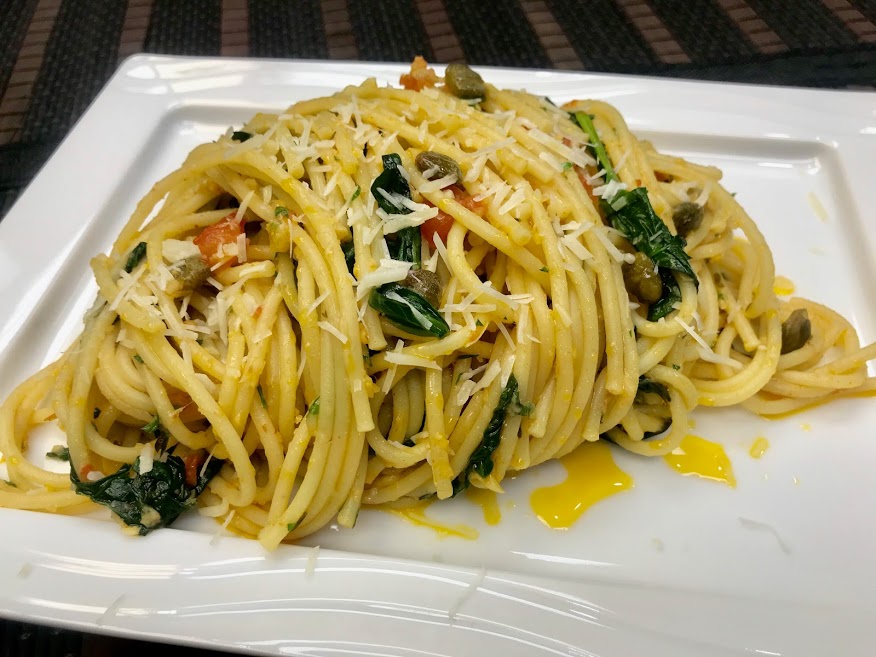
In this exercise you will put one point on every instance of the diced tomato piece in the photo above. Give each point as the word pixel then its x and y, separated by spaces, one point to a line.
pixel 420 76
pixel 180 399
pixel 439 226
pixel 86 469
pixel 466 200
pixel 214 238
pixel 193 462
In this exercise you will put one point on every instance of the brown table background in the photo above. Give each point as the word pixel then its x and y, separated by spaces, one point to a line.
pixel 56 55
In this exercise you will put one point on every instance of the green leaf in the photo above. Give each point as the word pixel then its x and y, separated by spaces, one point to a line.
pixel 481 460
pixel 349 249
pixel 408 310
pixel 666 303
pixel 292 525
pixel 137 359
pixel 391 181
pixel 261 395
pixel 59 453
pixel 151 500
pixel 648 234
pixel 135 257
pixel 241 135
pixel 567 166
pixel 586 122
pixel 281 211
pixel 356 193
pixel 406 245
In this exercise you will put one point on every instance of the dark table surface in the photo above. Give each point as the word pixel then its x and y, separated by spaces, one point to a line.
pixel 55 55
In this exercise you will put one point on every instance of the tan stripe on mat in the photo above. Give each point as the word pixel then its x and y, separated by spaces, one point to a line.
pixel 16 99
pixel 235 28
pixel 753 27
pixel 134 27
pixel 654 31
pixel 339 35
pixel 853 19
pixel 551 35
pixel 439 30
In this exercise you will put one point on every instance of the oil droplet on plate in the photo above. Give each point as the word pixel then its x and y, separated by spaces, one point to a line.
pixel 486 499
pixel 702 458
pixel 592 475
pixel 759 447
pixel 417 516
pixel 783 286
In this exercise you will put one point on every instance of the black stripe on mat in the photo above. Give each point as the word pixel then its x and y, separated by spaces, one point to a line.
pixel 703 30
pixel 80 57
pixel 393 32
pixel 804 24
pixel 185 27
pixel 13 27
pixel 496 33
pixel 601 36
pixel 279 28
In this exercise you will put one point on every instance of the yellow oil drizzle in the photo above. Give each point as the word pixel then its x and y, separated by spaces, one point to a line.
pixel 592 476
pixel 486 499
pixel 759 447
pixel 783 286
pixel 417 516
pixel 702 458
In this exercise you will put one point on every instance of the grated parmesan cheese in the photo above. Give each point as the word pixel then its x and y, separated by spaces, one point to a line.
pixel 331 328
pixel 147 456
pixel 409 360
pixel 705 351
pixel 244 204
pixel 389 271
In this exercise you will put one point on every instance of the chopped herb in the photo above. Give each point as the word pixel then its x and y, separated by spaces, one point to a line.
pixel 153 426
pixel 135 257
pixel 138 359
pixel 356 193
pixel 314 408
pixel 646 385
pixel 544 269
pixel 241 135
pixel 261 396
pixel 567 166
pixel 281 211
pixel 150 500
pixel 59 453
pixel 96 413
pixel 676 367
pixel 479 323
pixel 481 461
pixel 408 310
pixel 292 525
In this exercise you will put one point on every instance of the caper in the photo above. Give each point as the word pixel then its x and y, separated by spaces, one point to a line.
pixel 426 284
pixel 796 330
pixel 464 82
pixel 687 217
pixel 642 280
pixel 191 272
pixel 443 165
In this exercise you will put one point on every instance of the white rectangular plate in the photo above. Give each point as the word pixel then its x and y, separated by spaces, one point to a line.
pixel 667 568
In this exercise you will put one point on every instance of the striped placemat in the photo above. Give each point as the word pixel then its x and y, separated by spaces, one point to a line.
pixel 55 55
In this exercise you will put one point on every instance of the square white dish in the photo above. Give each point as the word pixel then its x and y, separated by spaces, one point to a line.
pixel 667 568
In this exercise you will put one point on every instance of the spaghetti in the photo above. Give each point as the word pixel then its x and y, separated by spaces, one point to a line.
pixel 391 294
